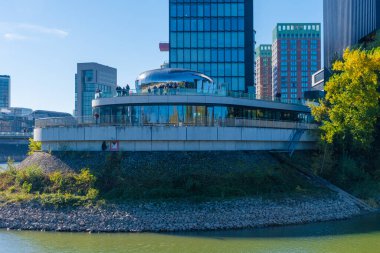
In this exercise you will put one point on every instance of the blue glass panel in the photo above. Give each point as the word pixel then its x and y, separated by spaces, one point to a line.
pixel 227 24
pixel 173 24
pixel 207 24
pixel 241 69
pixel 241 24
pixel 173 10
pixel 241 10
pixel 221 70
pixel 214 10
pixel 228 55
pixel 179 39
pixel 234 53
pixel 186 39
pixel 214 24
pixel 221 39
pixel 186 24
pixel 201 55
pixel 234 39
pixel 194 25
pixel 180 55
pixel 241 54
pixel 180 24
pixel 186 10
pixel 173 40
pixel 228 39
pixel 194 55
pixel 194 40
pixel 214 39
pixel 214 69
pixel 221 55
pixel 241 39
pixel 207 39
pixel 180 10
pixel 234 24
pixel 220 24
pixel 201 40
pixel 227 10
pixel 200 10
pixel 200 25
pixel 234 10
pixel 221 9
pixel 207 10
pixel 186 55
pixel 207 55
pixel 214 55
pixel 228 71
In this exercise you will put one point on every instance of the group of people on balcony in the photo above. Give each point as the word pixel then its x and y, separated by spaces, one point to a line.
pixel 121 92
pixel 164 89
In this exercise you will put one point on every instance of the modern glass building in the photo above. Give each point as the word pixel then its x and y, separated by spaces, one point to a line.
pixel 89 78
pixel 5 91
pixel 345 23
pixel 264 72
pixel 192 102
pixel 296 56
pixel 214 37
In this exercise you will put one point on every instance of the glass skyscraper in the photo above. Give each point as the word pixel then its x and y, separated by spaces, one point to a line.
pixel 345 23
pixel 5 91
pixel 214 37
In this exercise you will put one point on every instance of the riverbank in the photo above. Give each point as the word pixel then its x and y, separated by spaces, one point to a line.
pixel 174 216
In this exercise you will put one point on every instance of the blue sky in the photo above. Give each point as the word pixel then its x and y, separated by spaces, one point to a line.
pixel 42 40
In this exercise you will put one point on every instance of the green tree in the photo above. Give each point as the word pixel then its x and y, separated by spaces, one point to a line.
pixel 351 108
pixel 34 146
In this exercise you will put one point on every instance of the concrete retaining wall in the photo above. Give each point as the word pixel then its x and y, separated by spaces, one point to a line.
pixel 169 138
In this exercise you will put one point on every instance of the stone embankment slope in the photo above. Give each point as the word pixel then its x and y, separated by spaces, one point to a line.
pixel 170 216
pixel 178 216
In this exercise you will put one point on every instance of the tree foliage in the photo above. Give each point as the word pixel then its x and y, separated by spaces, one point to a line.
pixel 34 146
pixel 351 108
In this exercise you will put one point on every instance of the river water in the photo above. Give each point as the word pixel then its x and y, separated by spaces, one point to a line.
pixel 360 234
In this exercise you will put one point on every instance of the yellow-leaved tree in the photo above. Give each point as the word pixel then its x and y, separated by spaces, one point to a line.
pixel 351 108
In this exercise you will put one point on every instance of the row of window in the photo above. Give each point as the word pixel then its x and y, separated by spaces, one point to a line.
pixel 216 69
pixel 207 55
pixel 207 24
pixel 206 39
pixel 302 35
pixel 206 9
pixel 211 114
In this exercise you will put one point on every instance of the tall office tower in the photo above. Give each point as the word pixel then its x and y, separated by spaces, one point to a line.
pixel 345 23
pixel 5 91
pixel 264 72
pixel 296 55
pixel 215 38
pixel 89 78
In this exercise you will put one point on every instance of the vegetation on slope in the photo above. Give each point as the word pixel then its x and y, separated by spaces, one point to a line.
pixel 349 154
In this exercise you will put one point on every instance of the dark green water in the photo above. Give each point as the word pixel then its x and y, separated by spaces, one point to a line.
pixel 361 234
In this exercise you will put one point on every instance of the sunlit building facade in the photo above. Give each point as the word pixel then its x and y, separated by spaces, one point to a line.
pixel 5 91
pixel 296 56
pixel 345 23
pixel 264 72
pixel 89 78
pixel 216 38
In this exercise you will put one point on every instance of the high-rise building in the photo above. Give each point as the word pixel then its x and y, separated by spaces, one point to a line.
pixel 5 91
pixel 264 72
pixel 345 23
pixel 296 55
pixel 214 37
pixel 89 78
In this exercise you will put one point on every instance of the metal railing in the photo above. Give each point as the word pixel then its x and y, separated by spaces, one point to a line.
pixel 112 120
pixel 195 92
pixel 15 134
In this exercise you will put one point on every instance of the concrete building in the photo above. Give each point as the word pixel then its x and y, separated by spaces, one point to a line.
pixel 345 23
pixel 216 38
pixel 264 72
pixel 183 113
pixel 89 78
pixel 296 55
pixel 5 91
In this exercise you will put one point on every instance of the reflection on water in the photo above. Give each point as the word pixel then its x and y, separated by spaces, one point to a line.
pixel 358 235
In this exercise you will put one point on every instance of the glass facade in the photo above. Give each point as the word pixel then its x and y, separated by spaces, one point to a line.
pixel 345 23
pixel 89 78
pixel 214 37
pixel 5 91
pixel 208 115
